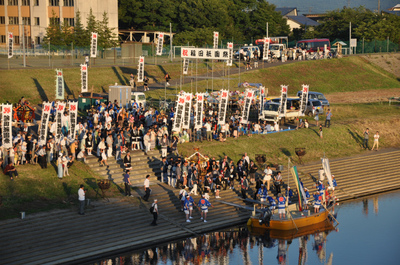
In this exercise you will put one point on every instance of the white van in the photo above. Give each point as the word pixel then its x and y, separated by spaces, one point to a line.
pixel 139 97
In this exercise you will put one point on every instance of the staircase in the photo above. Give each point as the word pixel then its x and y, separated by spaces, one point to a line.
pixel 142 165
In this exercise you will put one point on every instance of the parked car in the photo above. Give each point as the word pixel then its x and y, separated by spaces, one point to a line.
pixel 245 49
pixel 317 96
pixel 314 106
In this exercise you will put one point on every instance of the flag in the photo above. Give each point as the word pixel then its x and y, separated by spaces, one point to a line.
pixel 304 100
pixel 59 84
pixel 249 94
pixel 216 34
pixel 44 123
pixel 198 118
pixel 223 103
pixel 185 66
pixel 10 45
pixel 6 125
pixel 59 114
pixel 230 54
pixel 73 116
pixel 176 127
pixel 84 78
pixel 266 48
pixel 187 109
pixel 160 42
pixel 93 45
pixel 141 69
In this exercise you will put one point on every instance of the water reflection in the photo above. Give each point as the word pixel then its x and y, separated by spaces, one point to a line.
pixel 316 245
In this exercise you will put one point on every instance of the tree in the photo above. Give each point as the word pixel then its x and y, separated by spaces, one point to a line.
pixel 80 39
pixel 92 25
pixel 53 35
pixel 107 38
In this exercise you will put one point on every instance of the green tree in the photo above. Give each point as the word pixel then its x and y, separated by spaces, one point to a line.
pixel 107 38
pixel 54 35
pixel 80 35
pixel 92 25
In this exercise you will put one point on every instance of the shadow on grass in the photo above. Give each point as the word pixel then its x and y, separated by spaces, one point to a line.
pixel 67 189
pixel 69 92
pixel 357 138
pixel 92 183
pixel 121 81
pixel 316 131
pixel 286 152
pixel 40 90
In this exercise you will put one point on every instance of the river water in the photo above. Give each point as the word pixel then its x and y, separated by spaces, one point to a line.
pixel 368 233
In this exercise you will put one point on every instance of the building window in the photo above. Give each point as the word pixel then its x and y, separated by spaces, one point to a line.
pixel 54 20
pixel 2 20
pixel 69 21
pixel 26 2
pixel 68 2
pixel 37 40
pixel 36 2
pixel 54 2
pixel 13 20
pixel 12 2
pixel 3 38
pixel 16 39
pixel 37 21
pixel 26 21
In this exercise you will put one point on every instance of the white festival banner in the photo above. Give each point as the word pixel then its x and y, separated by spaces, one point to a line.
pixel 59 116
pixel 178 113
pixel 230 54
pixel 73 117
pixel 44 123
pixel 10 45
pixel 247 104
pixel 216 35
pixel 59 84
pixel 140 71
pixel 186 111
pixel 204 53
pixel 84 78
pixel 185 66
pixel 93 45
pixel 303 99
pixel 262 96
pixel 198 117
pixel 282 106
pixel 6 125
pixel 266 48
pixel 160 42
pixel 223 103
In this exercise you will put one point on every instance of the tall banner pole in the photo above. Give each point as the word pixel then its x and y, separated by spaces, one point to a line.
pixel 6 125
pixel 223 103
pixel 59 84
pixel 44 123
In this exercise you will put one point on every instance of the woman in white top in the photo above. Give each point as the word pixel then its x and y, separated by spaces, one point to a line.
pixel 376 141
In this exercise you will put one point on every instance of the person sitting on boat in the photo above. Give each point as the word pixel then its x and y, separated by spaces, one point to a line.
pixel 281 206
pixel 317 202
pixel 262 193
pixel 289 193
pixel 272 203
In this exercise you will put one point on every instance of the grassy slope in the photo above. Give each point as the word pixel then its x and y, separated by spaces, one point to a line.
pixel 327 76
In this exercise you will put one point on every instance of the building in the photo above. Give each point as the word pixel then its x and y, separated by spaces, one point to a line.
pixel 30 18
pixel 294 20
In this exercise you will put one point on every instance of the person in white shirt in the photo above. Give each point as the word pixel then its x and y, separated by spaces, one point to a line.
pixel 81 194
pixel 268 176
pixel 147 188
pixel 103 158
pixel 147 142
pixel 208 130
pixel 376 141
pixel 155 212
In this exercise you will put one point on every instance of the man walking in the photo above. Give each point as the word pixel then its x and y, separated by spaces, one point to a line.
pixel 128 184
pixel 244 185
pixel 147 188
pixel 328 119
pixel 81 194
pixel 155 212
pixel 366 136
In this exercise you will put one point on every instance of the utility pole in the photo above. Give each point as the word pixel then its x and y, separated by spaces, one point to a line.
pixel 170 39
pixel 350 38
pixel 267 30
pixel 23 42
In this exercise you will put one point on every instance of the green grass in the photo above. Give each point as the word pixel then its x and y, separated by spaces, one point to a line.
pixel 326 76
pixel 344 138
pixel 37 189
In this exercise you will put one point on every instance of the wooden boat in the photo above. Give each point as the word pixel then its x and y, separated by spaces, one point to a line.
pixel 324 226
pixel 294 220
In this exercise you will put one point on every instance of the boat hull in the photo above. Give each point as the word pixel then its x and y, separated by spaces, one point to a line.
pixel 288 223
